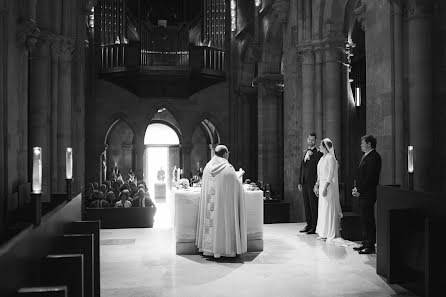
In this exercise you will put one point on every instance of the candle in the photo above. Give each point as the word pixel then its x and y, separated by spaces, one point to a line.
pixel 69 162
pixel 37 170
pixel 358 96
pixel 178 174
pixel 410 159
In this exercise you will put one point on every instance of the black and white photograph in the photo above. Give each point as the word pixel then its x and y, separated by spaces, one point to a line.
pixel 222 148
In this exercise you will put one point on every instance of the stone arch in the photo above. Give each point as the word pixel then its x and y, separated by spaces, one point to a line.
pixel 218 125
pixel 165 114
pixel 120 151
pixel 273 45
pixel 333 18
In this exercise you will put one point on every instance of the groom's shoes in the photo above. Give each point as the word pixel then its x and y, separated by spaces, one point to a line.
pixel 367 250
pixel 358 248
pixel 312 231
pixel 304 230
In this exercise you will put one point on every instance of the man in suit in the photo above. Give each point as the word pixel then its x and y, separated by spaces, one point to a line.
pixel 307 179
pixel 365 191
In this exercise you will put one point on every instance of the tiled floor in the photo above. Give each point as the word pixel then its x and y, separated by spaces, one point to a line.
pixel 142 262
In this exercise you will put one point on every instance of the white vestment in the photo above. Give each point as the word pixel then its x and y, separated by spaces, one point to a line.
pixel 221 226
pixel 329 208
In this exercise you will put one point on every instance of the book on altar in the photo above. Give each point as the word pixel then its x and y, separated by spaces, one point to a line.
pixel 240 173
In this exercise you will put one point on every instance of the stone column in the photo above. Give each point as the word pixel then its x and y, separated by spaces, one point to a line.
pixel 318 91
pixel 268 130
pixel 40 108
pixel 139 162
pixel 64 110
pixel 420 89
pixel 332 96
pixel 55 53
pixel 400 160
pixel 186 149
pixel 308 119
pixel 212 150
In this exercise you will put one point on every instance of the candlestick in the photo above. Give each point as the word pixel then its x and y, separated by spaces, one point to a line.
pixel 358 97
pixel 68 182
pixel 37 170
pixel 69 163
pixel 410 167
pixel 37 207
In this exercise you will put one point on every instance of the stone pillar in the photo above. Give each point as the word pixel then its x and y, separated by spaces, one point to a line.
pixel 300 21
pixel 420 89
pixel 318 91
pixel 186 149
pixel 64 110
pixel 308 106
pixel 40 108
pixel 400 160
pixel 212 150
pixel 139 157
pixel 268 131
pixel 308 20
pixel 55 53
pixel 332 97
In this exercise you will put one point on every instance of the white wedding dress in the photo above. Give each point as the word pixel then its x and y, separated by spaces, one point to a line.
pixel 329 210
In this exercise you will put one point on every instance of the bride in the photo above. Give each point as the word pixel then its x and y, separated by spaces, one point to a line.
pixel 327 189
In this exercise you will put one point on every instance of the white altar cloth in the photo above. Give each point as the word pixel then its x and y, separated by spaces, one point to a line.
pixel 185 210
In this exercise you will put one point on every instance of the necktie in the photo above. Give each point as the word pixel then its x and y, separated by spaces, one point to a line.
pixel 362 159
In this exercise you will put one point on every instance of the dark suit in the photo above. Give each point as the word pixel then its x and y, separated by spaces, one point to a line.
pixel 307 178
pixel 366 182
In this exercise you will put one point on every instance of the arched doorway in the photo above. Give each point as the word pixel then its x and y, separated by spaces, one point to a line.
pixel 204 140
pixel 119 151
pixel 162 153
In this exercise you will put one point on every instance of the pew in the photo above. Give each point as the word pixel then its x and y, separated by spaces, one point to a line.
pixel 90 227
pixel 416 254
pixel 115 218
pixel 64 269
pixel 79 244
pixel 56 291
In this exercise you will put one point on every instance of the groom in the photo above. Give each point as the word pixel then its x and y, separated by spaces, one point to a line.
pixel 365 190
pixel 307 179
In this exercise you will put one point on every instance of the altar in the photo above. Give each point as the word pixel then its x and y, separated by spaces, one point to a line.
pixel 185 214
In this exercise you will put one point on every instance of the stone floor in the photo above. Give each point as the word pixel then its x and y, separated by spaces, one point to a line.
pixel 142 262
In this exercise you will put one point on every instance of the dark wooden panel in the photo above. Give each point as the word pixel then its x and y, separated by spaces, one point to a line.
pixel 90 227
pixel 22 254
pixel 79 244
pixel 276 211
pixel 64 269
pixel 114 218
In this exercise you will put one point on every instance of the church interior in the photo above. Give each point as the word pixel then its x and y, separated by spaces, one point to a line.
pixel 144 90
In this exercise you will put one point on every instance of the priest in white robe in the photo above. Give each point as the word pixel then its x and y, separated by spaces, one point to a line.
pixel 221 226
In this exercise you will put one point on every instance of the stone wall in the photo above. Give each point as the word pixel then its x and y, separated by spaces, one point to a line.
pixel 42 95
pixel 112 102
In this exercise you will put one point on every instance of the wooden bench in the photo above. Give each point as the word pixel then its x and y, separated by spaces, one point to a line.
pixel 90 227
pixel 64 269
pixel 79 244
pixel 416 253
pixel 115 218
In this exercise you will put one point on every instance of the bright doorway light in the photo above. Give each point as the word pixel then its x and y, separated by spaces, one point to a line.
pixel 159 138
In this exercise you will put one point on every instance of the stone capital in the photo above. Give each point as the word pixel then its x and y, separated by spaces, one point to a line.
pixel 66 49
pixel 27 34
pixel 272 83
pixel 418 8
pixel 360 13
pixel 306 54
pixel 281 7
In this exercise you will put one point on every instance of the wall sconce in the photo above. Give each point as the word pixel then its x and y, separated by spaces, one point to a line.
pixel 69 171
pixel 91 18
pixel 358 96
pixel 410 165
pixel 36 191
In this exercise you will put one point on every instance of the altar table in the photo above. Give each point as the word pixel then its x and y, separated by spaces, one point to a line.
pixel 185 210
